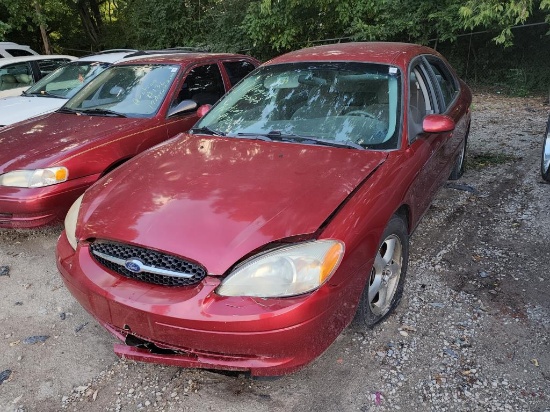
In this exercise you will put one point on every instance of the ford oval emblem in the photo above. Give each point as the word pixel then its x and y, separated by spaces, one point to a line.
pixel 134 265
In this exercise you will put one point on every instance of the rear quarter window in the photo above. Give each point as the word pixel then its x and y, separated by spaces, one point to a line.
pixel 236 70
pixel 48 66
pixel 19 52
pixel 447 82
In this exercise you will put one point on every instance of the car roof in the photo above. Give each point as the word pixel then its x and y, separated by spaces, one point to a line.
pixel 170 57
pixel 374 52
pixel 108 56
pixel 5 45
pixel 8 60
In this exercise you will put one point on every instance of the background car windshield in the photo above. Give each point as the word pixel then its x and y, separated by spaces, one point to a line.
pixel 344 102
pixel 67 80
pixel 131 90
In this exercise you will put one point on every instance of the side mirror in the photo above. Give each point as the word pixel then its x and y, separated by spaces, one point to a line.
pixel 437 123
pixel 545 159
pixel 182 107
pixel 205 108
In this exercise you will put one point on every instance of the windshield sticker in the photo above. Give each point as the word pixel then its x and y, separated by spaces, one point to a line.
pixel 393 70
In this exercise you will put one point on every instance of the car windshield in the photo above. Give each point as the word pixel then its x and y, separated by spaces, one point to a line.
pixel 349 104
pixel 129 90
pixel 67 80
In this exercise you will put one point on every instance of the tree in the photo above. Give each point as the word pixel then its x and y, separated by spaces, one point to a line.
pixel 501 15
pixel 91 18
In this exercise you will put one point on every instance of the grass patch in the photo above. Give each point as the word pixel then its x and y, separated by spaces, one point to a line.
pixel 483 160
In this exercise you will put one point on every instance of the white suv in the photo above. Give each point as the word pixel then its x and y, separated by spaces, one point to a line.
pixel 51 92
pixel 18 73
pixel 10 49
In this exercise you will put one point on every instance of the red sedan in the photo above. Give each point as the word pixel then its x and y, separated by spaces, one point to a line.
pixel 48 161
pixel 250 243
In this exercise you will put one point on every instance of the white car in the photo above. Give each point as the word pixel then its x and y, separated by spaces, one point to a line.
pixel 51 92
pixel 18 73
pixel 11 49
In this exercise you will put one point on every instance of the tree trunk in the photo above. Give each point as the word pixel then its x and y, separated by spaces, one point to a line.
pixel 91 18
pixel 43 32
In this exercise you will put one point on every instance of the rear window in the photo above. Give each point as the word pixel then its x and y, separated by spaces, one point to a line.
pixel 19 52
pixel 446 81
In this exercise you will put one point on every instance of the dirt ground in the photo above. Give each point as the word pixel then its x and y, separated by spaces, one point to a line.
pixel 471 333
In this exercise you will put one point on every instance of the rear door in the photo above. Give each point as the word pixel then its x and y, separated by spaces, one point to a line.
pixel 428 150
pixel 447 87
pixel 205 84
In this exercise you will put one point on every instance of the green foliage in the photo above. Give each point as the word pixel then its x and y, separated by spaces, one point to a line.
pixel 266 28
pixel 278 26
pixel 483 160
pixel 501 15
pixel 224 29
pixel 518 70
pixel 4 28
pixel 170 23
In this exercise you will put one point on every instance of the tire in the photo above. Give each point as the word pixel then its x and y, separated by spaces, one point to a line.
pixel 545 157
pixel 458 168
pixel 384 287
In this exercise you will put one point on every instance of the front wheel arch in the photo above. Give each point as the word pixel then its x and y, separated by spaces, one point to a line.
pixel 384 284
pixel 114 165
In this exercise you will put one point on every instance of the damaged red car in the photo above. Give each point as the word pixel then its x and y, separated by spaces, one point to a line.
pixel 48 161
pixel 251 242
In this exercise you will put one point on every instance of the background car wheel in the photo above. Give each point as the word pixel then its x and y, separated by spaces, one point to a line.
pixel 385 283
pixel 545 159
pixel 458 168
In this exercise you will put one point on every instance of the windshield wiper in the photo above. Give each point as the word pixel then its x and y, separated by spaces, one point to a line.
pixel 67 110
pixel 277 135
pixel 207 130
pixel 42 93
pixel 255 136
pixel 102 112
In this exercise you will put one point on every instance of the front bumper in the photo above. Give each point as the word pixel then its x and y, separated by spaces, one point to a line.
pixel 34 207
pixel 193 327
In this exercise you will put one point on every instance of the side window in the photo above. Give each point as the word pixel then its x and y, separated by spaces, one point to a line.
pixel 19 52
pixel 203 84
pixel 446 81
pixel 15 75
pixel 48 66
pixel 236 70
pixel 420 103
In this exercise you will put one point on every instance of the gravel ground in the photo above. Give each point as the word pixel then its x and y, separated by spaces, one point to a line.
pixel 471 333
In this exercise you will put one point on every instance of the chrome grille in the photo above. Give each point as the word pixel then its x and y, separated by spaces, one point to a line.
pixel 154 267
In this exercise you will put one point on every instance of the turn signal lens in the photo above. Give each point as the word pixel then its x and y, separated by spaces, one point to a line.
pixel 35 178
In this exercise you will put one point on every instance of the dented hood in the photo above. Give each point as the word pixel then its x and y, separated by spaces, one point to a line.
pixel 46 140
pixel 215 200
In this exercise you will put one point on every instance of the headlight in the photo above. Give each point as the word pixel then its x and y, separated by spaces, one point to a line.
pixel 35 178
pixel 287 271
pixel 70 222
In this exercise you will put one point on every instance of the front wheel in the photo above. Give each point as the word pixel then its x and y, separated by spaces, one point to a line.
pixel 386 280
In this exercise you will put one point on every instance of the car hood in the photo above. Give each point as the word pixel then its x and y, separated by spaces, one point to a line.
pixel 216 200
pixel 46 140
pixel 17 108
